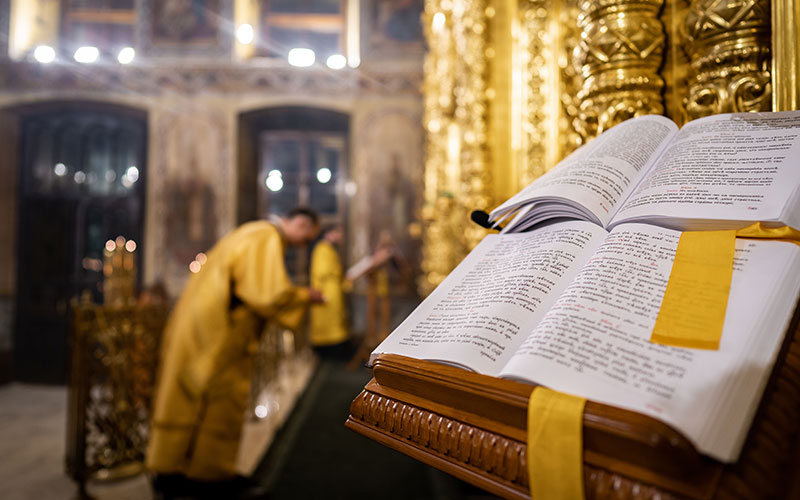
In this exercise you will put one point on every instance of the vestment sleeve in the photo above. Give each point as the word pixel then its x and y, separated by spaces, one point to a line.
pixel 261 282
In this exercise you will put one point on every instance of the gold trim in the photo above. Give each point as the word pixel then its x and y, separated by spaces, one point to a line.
pixel 785 55
pixel 729 49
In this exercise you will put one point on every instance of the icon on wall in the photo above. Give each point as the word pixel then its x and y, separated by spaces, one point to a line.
pixel 181 27
pixel 394 27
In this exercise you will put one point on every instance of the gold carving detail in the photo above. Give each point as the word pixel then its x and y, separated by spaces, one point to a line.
pixel 535 47
pixel 676 61
pixel 571 77
pixel 457 177
pixel 621 49
pixel 549 83
pixel 729 47
pixel 114 358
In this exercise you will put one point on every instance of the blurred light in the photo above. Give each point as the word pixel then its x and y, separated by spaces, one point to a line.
pixel 133 174
pixel 111 176
pixel 302 58
pixel 195 266
pixel 111 246
pixel 130 177
pixel 86 54
pixel 126 55
pixel 336 61
pixel 245 34
pixel 201 258
pixel 79 177
pixel 130 246
pixel 438 21
pixel 44 54
pixel 261 411
pixel 350 188
pixel 354 61
pixel 274 183
pixel 324 175
pixel 91 264
pixel 453 143
pixel 120 241
pixel 60 169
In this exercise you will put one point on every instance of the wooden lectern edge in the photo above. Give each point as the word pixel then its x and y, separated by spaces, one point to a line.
pixel 618 440
pixel 419 378
pixel 472 475
pixel 473 427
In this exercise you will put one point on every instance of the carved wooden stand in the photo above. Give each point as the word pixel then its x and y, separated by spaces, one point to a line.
pixel 474 427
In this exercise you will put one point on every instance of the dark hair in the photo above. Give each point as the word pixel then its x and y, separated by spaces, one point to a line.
pixel 304 212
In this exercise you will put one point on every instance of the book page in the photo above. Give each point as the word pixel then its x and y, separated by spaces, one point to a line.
pixel 481 312
pixel 598 177
pixel 594 342
pixel 735 167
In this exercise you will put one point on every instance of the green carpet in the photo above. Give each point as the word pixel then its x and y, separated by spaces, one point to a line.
pixel 315 456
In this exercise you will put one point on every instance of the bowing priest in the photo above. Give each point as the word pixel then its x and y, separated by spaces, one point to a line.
pixel 207 356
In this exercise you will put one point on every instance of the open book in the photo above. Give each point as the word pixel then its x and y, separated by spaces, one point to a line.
pixel 716 172
pixel 571 305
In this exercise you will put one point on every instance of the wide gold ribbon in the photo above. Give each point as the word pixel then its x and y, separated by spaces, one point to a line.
pixel 555 445
pixel 692 313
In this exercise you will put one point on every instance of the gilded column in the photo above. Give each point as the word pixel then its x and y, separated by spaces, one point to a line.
pixel 729 49
pixel 457 176
pixel 620 52
pixel 535 85
pixel 785 55
pixel 544 86
pixel 570 75
pixel 676 61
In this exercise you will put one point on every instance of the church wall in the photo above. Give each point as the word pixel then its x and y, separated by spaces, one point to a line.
pixel 191 194
pixel 193 102
pixel 388 167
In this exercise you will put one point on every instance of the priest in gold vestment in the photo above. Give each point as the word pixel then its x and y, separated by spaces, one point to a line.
pixel 208 346
pixel 328 323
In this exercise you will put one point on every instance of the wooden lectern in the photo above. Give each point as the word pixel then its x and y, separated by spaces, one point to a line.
pixel 474 427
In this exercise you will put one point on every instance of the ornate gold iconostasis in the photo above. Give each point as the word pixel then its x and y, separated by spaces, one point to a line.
pixel 513 86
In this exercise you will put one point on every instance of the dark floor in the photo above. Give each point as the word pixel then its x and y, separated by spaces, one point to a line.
pixel 315 456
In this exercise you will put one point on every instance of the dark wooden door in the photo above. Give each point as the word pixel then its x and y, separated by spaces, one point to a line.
pixel 82 183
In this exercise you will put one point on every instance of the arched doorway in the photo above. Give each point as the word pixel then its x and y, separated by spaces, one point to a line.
pixel 293 156
pixel 81 182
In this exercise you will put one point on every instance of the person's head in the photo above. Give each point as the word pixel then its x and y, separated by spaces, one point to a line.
pixel 333 234
pixel 300 226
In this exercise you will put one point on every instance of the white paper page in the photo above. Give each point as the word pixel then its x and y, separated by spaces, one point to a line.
pixel 734 167
pixel 475 317
pixel 603 174
pixel 594 342
pixel 362 266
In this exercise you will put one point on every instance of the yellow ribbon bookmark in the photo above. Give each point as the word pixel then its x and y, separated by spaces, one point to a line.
pixel 758 230
pixel 693 310
pixel 555 445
